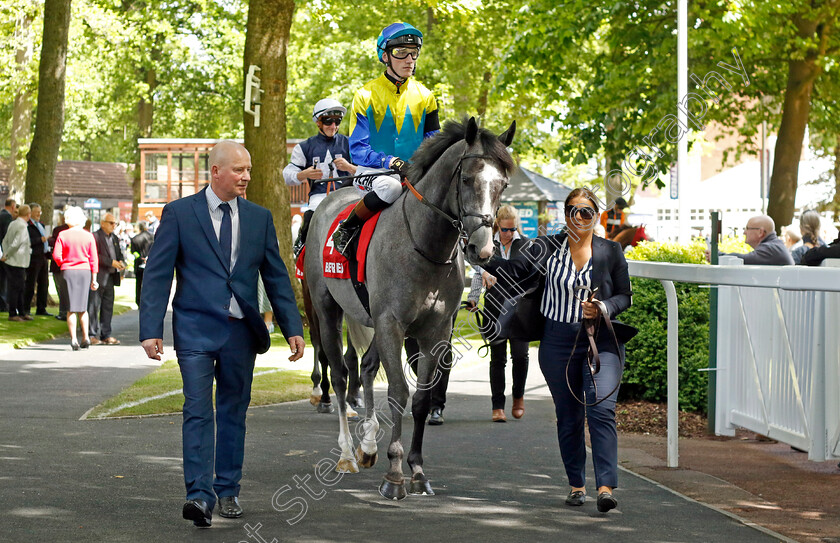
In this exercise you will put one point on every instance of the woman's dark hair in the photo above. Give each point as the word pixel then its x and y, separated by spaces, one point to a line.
pixel 584 192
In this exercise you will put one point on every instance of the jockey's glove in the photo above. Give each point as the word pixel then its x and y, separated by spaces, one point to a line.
pixel 400 166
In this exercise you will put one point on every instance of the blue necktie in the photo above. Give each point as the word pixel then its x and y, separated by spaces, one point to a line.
pixel 226 233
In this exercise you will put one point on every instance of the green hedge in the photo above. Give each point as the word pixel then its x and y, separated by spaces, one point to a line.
pixel 645 374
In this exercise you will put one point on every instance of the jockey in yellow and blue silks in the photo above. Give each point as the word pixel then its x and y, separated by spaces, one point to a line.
pixel 391 116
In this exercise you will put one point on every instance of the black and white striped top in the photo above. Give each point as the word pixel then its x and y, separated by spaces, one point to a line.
pixel 558 301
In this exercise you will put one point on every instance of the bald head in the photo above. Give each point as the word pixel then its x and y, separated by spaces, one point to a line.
pixel 758 228
pixel 230 170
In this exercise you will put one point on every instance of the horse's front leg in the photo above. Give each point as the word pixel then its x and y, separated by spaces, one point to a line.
pixel 389 339
pixel 432 355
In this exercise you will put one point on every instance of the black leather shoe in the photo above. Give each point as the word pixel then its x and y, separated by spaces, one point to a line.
pixel 43 314
pixel 606 501
pixel 436 417
pixel 198 512
pixel 229 507
pixel 576 498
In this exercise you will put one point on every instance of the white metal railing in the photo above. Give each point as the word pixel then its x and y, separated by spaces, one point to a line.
pixel 778 369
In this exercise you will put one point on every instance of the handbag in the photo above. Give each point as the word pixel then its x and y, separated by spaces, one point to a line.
pixel 514 316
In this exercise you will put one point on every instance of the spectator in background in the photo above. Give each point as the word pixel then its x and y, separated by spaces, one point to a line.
pixel 7 215
pixel 809 225
pixel 792 239
pixel 613 219
pixel 38 274
pixel 815 256
pixel 16 253
pixel 75 254
pixel 768 250
pixel 152 221
pixel 111 263
pixel 58 279
pixel 141 244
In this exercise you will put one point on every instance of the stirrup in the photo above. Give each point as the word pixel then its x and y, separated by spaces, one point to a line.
pixel 343 237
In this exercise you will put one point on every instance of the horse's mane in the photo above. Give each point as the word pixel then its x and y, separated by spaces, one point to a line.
pixel 453 132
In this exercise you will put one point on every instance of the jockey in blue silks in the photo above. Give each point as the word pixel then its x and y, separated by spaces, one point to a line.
pixel 318 159
pixel 391 116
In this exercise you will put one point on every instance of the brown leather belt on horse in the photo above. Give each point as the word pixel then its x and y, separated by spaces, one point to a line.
pixel 593 358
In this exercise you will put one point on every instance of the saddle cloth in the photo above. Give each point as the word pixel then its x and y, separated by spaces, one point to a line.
pixel 335 265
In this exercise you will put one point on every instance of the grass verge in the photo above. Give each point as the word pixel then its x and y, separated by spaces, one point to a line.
pixel 160 392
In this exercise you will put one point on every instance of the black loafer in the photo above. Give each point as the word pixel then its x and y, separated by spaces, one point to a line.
pixel 229 507
pixel 576 498
pixel 198 512
pixel 606 501
pixel 436 417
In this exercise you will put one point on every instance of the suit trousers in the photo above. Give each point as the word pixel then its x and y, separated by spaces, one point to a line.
pixel 498 361
pixel 555 350
pixel 4 306
pixel 101 308
pixel 15 285
pixel 63 294
pixel 232 366
pixel 38 275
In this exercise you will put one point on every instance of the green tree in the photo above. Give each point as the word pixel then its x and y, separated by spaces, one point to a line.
pixel 49 121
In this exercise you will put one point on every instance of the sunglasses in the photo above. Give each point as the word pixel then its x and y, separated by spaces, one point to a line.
pixel 110 222
pixel 584 212
pixel 508 229
pixel 329 121
pixel 403 52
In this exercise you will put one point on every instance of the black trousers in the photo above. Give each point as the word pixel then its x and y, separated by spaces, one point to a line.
pixel 38 275
pixel 15 285
pixel 4 306
pixel 101 308
pixel 63 295
pixel 498 360
pixel 138 274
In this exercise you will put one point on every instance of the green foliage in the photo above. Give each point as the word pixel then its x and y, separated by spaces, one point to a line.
pixel 645 375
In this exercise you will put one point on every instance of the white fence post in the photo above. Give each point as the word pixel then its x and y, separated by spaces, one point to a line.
pixel 673 374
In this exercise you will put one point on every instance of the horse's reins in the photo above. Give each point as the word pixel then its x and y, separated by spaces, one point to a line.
pixel 455 222
pixel 592 356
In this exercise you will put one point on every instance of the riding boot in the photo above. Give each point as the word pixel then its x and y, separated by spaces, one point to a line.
pixel 349 227
pixel 301 237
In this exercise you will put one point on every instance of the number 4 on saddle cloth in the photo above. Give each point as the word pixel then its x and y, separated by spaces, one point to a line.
pixel 336 266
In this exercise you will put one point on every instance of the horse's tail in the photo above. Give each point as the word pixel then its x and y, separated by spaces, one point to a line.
pixel 360 335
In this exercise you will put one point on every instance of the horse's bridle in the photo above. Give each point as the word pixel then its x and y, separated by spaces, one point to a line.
pixel 455 222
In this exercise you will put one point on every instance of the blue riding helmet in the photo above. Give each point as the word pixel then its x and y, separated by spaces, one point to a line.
pixel 398 34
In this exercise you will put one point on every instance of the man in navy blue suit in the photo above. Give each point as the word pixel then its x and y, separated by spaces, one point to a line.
pixel 217 243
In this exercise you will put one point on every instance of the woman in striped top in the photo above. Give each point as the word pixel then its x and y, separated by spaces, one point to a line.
pixel 571 265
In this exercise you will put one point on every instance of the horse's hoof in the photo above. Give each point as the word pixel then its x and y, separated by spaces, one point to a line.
pixel 352 415
pixel 315 399
pixel 356 402
pixel 347 466
pixel 392 491
pixel 422 488
pixel 365 460
pixel 325 407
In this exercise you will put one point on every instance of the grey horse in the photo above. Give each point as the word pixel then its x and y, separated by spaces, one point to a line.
pixel 415 278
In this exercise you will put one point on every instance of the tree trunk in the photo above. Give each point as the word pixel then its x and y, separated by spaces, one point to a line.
pixel 266 42
pixel 21 111
pixel 145 120
pixel 49 121
pixel 795 111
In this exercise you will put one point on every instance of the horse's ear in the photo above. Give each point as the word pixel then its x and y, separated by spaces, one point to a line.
pixel 506 137
pixel 472 131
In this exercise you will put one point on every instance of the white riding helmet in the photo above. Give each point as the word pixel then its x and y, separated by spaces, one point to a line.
pixel 328 106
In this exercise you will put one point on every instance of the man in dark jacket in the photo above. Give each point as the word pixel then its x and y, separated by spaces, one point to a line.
pixel 101 300
pixel 7 215
pixel 768 249
pixel 38 273
pixel 141 244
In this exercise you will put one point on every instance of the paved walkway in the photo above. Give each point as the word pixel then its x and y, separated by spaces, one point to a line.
pixel 63 479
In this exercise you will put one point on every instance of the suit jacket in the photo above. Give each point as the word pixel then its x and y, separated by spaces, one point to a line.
pixel 51 240
pixel 141 244
pixel 771 251
pixel 105 260
pixel 185 243
pixel 35 238
pixel 5 220
pixel 609 270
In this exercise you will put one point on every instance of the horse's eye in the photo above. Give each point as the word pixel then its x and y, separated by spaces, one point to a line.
pixel 466 180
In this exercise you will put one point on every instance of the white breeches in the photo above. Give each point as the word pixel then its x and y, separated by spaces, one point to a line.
pixel 383 183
